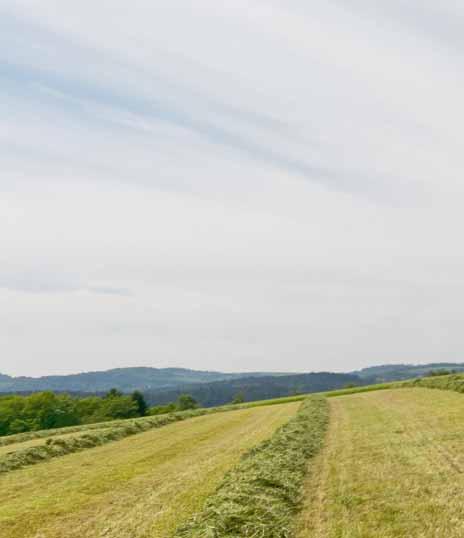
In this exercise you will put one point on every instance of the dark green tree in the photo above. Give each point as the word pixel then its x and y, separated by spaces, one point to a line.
pixel 113 393
pixel 140 402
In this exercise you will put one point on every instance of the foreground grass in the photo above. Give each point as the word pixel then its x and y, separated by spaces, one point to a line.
pixel 392 467
pixel 259 498
pixel 142 486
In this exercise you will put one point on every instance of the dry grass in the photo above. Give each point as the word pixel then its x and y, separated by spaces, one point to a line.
pixel 260 497
pixel 142 486
pixel 35 438
pixel 392 468
pixel 25 453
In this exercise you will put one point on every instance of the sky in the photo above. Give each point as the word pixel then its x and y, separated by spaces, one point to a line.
pixel 238 186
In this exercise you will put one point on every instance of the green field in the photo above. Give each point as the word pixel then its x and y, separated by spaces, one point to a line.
pixel 144 485
pixel 392 467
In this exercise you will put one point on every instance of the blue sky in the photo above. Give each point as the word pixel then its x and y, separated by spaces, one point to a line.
pixel 274 186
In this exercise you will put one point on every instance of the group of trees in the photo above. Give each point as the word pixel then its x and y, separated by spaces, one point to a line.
pixel 45 410
pixel 184 402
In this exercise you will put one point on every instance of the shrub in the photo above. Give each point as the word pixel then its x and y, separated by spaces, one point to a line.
pixel 186 401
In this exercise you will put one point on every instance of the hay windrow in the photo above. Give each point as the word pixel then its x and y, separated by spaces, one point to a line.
pixel 260 497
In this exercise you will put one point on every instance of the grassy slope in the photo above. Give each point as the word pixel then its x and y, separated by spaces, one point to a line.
pixel 141 486
pixel 392 467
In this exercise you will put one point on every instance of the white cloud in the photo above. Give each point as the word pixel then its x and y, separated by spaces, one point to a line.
pixel 229 186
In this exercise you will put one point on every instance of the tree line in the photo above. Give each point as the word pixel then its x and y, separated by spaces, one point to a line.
pixel 47 410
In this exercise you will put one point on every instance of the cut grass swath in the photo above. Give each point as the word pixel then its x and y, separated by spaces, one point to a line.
pixel 260 497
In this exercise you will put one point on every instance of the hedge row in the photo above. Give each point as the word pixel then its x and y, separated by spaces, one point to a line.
pixel 260 497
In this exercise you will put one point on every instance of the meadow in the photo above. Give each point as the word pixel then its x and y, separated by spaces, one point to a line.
pixel 363 462
pixel 29 448
pixel 144 485
pixel 392 467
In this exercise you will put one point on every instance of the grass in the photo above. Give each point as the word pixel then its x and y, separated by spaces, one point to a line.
pixel 142 486
pixel 44 434
pixel 20 438
pixel 29 448
pixel 54 447
pixel 34 442
pixel 454 382
pixel 260 497
pixel 392 467
pixel 32 450
pixel 361 389
pixel 25 437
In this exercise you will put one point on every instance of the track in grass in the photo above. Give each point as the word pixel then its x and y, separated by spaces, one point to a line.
pixel 142 486
pixel 392 467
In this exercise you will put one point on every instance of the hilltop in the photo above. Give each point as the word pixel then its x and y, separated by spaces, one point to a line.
pixel 124 379
pixel 214 387
pixel 397 372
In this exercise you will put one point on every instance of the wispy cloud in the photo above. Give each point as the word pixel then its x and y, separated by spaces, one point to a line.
pixel 229 178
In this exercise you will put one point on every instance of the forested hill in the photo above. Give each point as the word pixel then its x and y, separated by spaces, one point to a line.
pixel 396 372
pixel 257 388
pixel 124 379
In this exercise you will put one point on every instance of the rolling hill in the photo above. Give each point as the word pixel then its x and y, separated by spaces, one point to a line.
pixel 124 379
pixel 398 372
pixel 257 388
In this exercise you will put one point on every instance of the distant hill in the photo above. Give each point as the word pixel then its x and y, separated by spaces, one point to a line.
pixel 257 388
pixel 396 372
pixel 164 384
pixel 124 379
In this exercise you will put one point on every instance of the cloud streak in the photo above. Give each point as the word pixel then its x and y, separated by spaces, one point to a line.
pixel 230 186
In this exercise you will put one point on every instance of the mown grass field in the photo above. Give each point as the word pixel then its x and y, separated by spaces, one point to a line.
pixel 392 467
pixel 142 486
